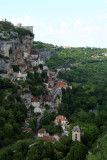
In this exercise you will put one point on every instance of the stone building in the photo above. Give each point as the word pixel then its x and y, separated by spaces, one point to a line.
pixel 77 133
pixel 30 28
pixel 41 132
pixel 35 102
pixel 61 120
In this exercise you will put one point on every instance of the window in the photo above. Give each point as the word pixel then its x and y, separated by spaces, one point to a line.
pixel 76 137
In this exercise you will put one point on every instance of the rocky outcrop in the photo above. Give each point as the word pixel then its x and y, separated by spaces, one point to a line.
pixel 47 54
pixel 4 65
pixel 17 50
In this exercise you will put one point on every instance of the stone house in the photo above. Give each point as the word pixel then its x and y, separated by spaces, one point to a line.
pixel 61 120
pixel 50 87
pixel 61 84
pixel 39 110
pixel 77 133
pixel 45 68
pixel 48 101
pixel 41 132
pixel 35 102
pixel 51 74
pixel 34 63
pixel 50 81
pixel 40 61
pixel 22 67
pixel 21 76
pixel 34 54
pixel 57 136
pixel 39 70
pixel 105 54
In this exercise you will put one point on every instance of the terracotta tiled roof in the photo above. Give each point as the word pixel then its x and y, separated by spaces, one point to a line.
pixel 42 131
pixel 29 70
pixel 34 52
pixel 49 138
pixel 41 107
pixel 35 99
pixel 22 65
pixel 60 118
pixel 50 86
pixel 50 79
pixel 51 74
pixel 47 99
pixel 61 84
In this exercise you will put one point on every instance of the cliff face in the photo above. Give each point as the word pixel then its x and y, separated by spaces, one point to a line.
pixel 14 49
pixel 46 50
pixel 47 54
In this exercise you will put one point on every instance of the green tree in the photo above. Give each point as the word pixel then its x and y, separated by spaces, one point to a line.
pixel 32 123
pixel 78 151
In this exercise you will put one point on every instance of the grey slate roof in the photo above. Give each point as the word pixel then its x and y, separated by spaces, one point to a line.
pixel 77 128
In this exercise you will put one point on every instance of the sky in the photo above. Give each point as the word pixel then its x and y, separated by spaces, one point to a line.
pixel 75 23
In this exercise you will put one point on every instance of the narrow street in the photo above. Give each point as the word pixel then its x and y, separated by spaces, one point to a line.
pixel 37 125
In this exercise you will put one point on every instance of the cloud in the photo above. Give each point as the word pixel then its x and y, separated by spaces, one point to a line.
pixel 105 1
pixel 91 28
pixel 78 22
pixel 26 20
pixel 103 16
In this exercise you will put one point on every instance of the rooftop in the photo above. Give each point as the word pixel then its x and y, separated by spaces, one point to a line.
pixel 49 138
pixel 22 65
pixel 41 131
pixel 50 86
pixel 35 99
pixel 60 118
pixel 50 79
pixel 77 128
pixel 61 84
pixel 29 70
pixel 33 52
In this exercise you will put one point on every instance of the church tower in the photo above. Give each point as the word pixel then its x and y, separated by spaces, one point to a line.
pixel 77 133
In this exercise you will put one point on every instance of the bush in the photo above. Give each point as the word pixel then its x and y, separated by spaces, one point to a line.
pixel 24 32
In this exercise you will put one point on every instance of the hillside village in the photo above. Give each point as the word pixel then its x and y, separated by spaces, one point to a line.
pixel 52 99
pixel 53 86
pixel 19 69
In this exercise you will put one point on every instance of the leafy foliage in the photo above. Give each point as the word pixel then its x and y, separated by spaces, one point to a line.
pixel 24 32
pixel 6 26
pixel 12 112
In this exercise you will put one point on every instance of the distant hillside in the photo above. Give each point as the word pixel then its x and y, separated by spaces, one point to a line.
pixel 68 57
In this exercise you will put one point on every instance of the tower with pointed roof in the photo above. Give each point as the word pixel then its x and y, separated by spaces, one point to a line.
pixel 77 133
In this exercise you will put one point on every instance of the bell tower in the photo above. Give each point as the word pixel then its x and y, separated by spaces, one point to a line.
pixel 77 133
